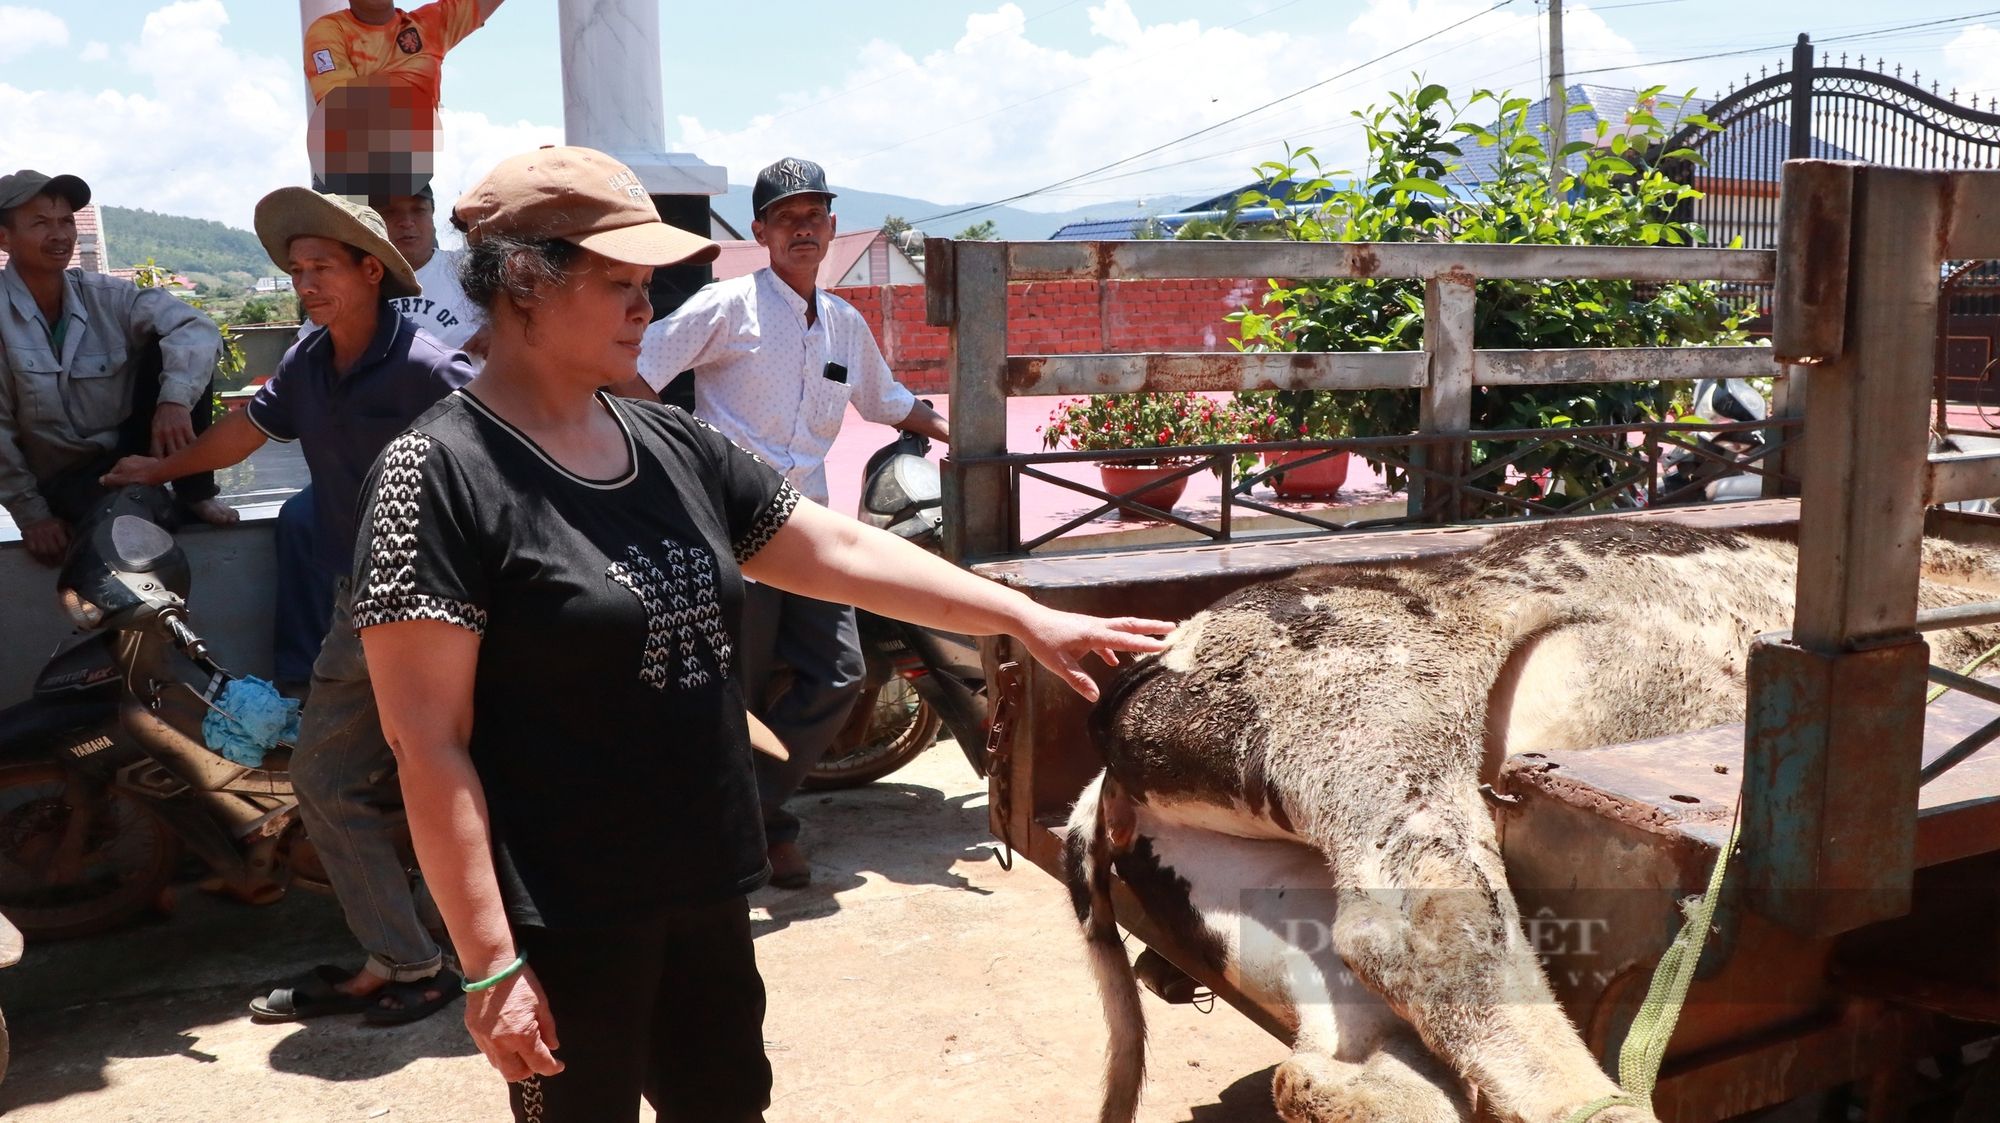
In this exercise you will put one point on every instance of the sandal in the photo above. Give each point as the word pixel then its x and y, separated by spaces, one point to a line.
pixel 314 994
pixel 412 1004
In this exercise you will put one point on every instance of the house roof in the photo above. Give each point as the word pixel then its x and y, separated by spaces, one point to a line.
pixel 1753 147
pixel 1099 230
pixel 739 259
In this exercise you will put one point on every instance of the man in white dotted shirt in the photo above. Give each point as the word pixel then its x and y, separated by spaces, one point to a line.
pixel 777 361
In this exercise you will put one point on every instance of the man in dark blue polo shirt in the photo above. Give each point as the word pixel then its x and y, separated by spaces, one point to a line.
pixel 343 393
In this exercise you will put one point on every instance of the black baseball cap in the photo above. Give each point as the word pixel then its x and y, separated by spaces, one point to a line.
pixel 784 179
pixel 26 184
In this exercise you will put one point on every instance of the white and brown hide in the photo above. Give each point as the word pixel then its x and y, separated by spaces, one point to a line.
pixel 1354 709
pixel 1259 914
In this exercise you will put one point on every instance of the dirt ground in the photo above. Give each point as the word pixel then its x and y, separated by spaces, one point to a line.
pixel 914 980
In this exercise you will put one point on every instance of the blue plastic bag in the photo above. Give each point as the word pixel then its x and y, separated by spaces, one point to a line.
pixel 248 720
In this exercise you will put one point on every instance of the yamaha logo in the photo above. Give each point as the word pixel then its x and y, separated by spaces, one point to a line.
pixel 90 747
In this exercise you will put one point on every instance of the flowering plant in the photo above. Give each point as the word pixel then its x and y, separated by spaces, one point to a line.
pixel 1292 415
pixel 1105 422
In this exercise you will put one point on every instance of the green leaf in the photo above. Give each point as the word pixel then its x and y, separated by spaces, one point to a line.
pixel 1422 187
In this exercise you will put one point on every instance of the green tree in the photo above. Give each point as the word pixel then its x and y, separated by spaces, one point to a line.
pixel 229 367
pixel 985 231
pixel 1616 196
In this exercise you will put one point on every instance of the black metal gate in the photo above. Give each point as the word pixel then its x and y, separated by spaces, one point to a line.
pixel 1844 110
pixel 1824 110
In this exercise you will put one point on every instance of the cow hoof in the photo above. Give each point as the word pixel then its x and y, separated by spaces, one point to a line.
pixel 1315 1088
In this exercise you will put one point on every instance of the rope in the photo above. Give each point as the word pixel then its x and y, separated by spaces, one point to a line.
pixel 1984 658
pixel 1646 1041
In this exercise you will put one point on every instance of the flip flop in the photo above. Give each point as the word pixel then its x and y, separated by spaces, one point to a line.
pixel 311 995
pixel 412 1003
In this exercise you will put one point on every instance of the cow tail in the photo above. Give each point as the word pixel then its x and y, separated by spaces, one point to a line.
pixel 1087 854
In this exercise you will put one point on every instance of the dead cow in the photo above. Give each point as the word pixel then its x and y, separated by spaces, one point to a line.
pixel 1354 710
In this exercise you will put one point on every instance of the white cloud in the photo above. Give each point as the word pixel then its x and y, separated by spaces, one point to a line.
pixel 28 29
pixel 998 113
pixel 201 128
pixel 94 51
pixel 1972 59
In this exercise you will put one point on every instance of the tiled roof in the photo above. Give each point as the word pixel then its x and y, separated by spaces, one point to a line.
pixel 1099 230
pixel 740 259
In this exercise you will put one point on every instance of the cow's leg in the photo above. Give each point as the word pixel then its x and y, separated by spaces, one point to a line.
pixel 1400 1082
pixel 1426 920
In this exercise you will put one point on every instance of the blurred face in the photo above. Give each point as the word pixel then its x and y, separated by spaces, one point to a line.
pixel 40 234
pixel 372 11
pixel 796 231
pixel 595 321
pixel 333 288
pixel 412 227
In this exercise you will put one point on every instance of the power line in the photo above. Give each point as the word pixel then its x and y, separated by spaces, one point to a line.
pixel 1219 124
pixel 1856 37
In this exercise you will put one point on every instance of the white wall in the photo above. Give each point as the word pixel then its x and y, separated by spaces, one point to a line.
pixel 231 604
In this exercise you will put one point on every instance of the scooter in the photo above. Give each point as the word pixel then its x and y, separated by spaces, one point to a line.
pixel 1688 478
pixel 104 772
pixel 917 680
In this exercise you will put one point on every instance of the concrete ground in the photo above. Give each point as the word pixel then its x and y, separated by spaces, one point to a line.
pixel 914 980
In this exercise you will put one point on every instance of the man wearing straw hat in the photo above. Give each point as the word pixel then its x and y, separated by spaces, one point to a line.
pixel 343 393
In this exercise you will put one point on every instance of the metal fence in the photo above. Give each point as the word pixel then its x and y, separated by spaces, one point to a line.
pixel 967 292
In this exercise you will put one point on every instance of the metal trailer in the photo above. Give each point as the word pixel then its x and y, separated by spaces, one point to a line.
pixel 1861 931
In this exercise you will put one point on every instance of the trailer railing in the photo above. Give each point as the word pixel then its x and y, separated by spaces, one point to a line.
pixel 967 292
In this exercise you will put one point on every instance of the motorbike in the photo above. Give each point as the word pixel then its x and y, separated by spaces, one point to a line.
pixel 917 680
pixel 104 773
pixel 1689 478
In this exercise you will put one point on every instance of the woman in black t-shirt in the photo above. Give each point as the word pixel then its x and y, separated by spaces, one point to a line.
pixel 547 583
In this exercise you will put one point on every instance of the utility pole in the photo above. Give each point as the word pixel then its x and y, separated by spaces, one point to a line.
pixel 1558 102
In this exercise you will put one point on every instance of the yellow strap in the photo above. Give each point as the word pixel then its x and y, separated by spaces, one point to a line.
pixel 1653 1026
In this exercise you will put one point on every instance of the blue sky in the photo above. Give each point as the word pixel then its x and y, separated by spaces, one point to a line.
pixel 196 106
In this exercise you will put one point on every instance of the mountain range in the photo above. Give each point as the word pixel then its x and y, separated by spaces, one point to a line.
pixel 212 249
pixel 865 210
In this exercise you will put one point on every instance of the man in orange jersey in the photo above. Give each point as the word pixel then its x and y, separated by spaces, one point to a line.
pixel 375 40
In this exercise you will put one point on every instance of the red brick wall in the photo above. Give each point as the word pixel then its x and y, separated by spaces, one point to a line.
pixel 1061 318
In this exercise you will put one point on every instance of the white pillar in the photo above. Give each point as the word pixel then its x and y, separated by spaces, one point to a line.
pixel 612 98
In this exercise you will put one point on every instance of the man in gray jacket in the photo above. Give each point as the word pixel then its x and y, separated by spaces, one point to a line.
pixel 91 368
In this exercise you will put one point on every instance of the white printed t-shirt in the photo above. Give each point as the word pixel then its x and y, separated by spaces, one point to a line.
pixel 761 375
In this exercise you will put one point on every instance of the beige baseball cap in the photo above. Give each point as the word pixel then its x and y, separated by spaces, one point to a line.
pixel 300 212
pixel 579 195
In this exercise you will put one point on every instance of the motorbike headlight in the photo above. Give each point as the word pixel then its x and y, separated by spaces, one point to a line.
pixel 83 613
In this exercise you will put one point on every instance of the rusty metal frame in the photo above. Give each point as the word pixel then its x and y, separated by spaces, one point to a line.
pixel 968 284
pixel 1642 481
pixel 1838 829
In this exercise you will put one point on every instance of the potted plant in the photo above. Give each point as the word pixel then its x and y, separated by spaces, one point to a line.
pixel 1112 422
pixel 1296 415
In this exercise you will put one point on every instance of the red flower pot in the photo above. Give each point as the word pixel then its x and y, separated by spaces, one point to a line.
pixel 1121 478
pixel 1319 478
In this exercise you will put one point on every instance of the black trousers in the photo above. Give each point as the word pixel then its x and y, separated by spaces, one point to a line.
pixel 671 1010
pixel 72 494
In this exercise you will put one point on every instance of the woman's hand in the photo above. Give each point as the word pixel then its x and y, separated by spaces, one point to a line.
pixel 1060 640
pixel 511 1024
